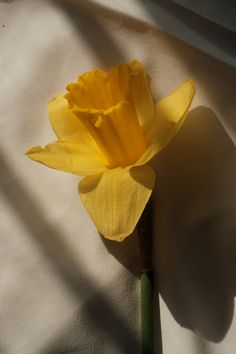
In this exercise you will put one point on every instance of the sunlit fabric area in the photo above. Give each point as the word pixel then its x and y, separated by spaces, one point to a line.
pixel 63 287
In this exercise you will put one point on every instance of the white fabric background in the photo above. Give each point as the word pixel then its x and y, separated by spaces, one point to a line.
pixel 63 289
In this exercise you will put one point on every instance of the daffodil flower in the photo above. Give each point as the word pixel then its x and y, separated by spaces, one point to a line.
pixel 108 128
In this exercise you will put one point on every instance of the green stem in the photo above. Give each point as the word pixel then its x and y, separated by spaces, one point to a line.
pixel 147 312
pixel 144 229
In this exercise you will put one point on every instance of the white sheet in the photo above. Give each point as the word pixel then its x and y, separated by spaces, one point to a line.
pixel 63 289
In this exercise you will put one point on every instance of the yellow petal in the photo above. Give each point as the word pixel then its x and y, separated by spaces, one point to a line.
pixel 170 115
pixel 64 123
pixel 141 95
pixel 115 200
pixel 69 156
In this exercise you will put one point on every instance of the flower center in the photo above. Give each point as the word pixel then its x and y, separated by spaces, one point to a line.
pixel 116 131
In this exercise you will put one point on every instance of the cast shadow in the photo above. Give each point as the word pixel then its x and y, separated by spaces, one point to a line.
pixel 83 16
pixel 195 244
pixel 126 252
pixel 58 253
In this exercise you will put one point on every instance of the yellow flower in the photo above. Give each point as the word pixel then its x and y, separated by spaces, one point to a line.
pixel 108 127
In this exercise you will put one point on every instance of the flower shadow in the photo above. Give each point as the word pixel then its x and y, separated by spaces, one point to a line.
pixel 126 252
pixel 195 247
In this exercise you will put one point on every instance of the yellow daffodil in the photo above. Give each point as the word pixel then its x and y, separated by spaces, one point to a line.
pixel 108 127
